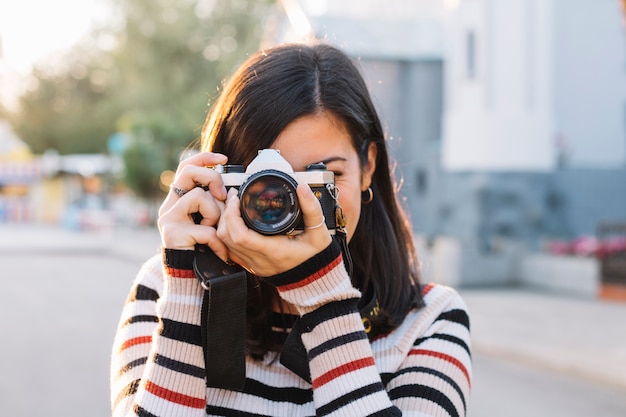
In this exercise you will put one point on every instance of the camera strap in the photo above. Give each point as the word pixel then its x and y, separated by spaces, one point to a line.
pixel 223 320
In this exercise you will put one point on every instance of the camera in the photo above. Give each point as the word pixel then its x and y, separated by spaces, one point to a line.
pixel 267 192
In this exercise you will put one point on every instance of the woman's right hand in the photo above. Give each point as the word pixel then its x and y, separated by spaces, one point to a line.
pixel 176 225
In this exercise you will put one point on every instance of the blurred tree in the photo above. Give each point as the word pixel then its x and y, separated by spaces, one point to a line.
pixel 149 72
pixel 145 158
pixel 65 110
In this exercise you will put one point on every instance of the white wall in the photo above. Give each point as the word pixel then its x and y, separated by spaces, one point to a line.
pixel 562 274
pixel 447 261
pixel 548 74
pixel 590 82
pixel 499 118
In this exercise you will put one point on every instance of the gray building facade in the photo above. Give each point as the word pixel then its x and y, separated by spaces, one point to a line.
pixel 404 61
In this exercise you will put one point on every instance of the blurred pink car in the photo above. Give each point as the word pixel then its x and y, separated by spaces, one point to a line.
pixel 588 246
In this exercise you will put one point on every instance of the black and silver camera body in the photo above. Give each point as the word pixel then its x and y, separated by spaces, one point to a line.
pixel 267 191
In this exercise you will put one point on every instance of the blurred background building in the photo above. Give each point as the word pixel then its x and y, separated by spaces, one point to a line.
pixel 72 190
pixel 507 121
pixel 19 170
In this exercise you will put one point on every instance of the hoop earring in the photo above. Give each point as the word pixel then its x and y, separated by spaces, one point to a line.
pixel 367 196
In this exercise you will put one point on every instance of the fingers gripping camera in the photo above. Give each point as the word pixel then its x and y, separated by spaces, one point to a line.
pixel 267 192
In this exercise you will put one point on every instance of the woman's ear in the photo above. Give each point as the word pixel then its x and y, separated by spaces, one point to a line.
pixel 369 167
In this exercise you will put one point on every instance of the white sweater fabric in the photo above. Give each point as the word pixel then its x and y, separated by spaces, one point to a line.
pixel 422 368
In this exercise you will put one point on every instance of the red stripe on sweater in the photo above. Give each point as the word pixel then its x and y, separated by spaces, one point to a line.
pixel 454 361
pixel 342 370
pixel 175 397
pixel 426 289
pixel 311 278
pixel 180 273
pixel 135 341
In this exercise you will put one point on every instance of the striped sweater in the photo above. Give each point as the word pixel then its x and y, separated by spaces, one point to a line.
pixel 422 368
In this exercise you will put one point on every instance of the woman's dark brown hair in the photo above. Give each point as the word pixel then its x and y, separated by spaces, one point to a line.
pixel 270 90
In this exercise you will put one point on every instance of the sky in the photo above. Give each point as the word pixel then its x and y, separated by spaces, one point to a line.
pixel 31 30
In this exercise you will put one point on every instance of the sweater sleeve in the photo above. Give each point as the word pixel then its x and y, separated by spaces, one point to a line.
pixel 434 378
pixel 157 366
pixel 344 376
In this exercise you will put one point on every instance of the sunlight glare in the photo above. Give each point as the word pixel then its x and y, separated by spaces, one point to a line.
pixel 299 22
pixel 32 31
pixel 451 5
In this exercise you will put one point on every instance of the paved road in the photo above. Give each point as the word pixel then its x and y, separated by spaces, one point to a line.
pixel 583 338
pixel 544 355
pixel 507 388
pixel 61 294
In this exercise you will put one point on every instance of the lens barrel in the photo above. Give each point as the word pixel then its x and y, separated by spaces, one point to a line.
pixel 269 203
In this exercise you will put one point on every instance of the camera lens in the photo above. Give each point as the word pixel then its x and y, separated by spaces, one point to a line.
pixel 269 203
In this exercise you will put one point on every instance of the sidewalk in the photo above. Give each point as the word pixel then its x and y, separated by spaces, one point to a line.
pixel 131 244
pixel 579 337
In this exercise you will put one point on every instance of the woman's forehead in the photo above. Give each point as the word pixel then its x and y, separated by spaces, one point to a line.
pixel 314 138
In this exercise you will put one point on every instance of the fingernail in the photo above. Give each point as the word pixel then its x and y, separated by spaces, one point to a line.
pixel 229 199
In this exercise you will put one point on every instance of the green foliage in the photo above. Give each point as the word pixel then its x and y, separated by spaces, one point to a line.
pixel 66 114
pixel 145 159
pixel 149 72
pixel 155 148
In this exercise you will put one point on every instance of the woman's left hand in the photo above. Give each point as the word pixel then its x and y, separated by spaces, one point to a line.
pixel 265 256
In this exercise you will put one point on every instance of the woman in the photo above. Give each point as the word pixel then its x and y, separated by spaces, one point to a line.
pixel 407 355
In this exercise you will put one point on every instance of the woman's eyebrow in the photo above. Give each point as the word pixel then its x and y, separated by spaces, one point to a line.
pixel 332 159
pixel 327 161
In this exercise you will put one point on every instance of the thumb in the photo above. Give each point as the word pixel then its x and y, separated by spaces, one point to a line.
pixel 311 208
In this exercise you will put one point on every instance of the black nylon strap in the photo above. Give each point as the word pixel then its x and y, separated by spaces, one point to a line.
pixel 223 320
pixel 342 238
pixel 294 355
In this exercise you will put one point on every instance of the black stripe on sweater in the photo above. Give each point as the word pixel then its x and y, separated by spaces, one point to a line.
pixel 308 267
pixel 140 412
pixel 447 338
pixel 128 390
pixel 182 332
pixel 348 398
pixel 286 394
pixel 141 319
pixel 455 316
pixel 131 365
pixel 389 412
pixel 421 369
pixel 141 292
pixel 178 258
pixel 178 366
pixel 327 312
pixel 427 393
pixel 228 412
pixel 336 342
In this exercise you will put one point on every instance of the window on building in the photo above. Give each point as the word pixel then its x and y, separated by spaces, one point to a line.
pixel 422 182
pixel 470 54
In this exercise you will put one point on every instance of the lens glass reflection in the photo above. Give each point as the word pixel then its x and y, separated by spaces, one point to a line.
pixel 269 203
pixel 266 202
